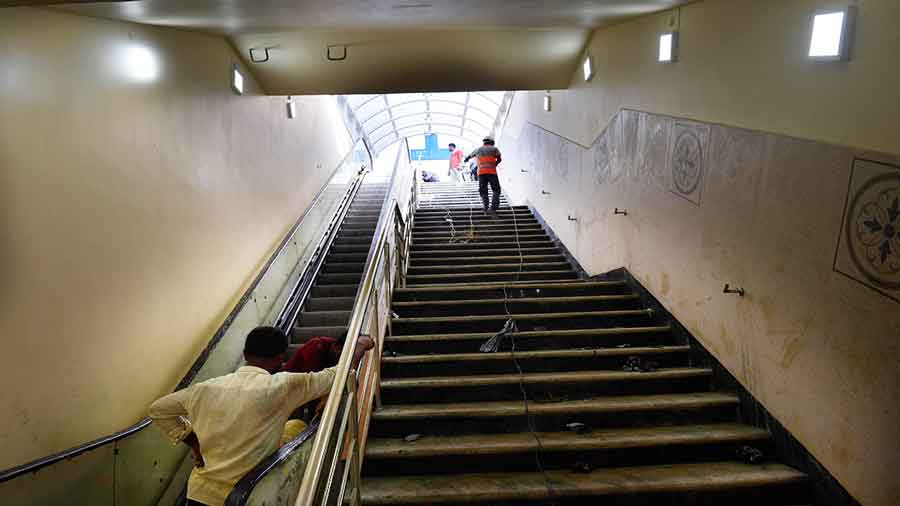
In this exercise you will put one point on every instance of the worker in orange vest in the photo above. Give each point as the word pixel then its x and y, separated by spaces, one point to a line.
pixel 488 157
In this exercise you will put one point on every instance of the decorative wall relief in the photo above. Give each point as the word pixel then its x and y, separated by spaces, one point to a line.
pixel 650 156
pixel 687 156
pixel 869 246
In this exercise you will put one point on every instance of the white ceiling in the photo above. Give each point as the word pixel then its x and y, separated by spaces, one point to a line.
pixel 393 45
pixel 247 16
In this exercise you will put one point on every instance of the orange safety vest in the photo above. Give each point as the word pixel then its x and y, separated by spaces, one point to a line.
pixel 487 165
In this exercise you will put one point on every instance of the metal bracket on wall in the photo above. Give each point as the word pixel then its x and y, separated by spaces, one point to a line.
pixel 545 192
pixel 336 52
pixel 728 289
pixel 523 171
pixel 572 218
pixel 623 212
pixel 253 57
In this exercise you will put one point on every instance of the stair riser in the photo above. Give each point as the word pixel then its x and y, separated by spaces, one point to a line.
pixel 303 334
pixel 531 343
pixel 556 458
pixel 427 279
pixel 544 392
pixel 506 366
pixel 401 327
pixel 768 495
pixel 463 228
pixel 447 425
pixel 428 247
pixel 498 293
pixel 515 308
pixel 343 267
pixel 424 262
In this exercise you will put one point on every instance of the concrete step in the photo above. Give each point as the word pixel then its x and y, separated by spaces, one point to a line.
pixel 543 385
pixel 345 267
pixel 326 278
pixel 469 342
pixel 436 279
pixel 421 261
pixel 516 305
pixel 525 321
pixel 462 228
pixel 504 242
pixel 475 250
pixel 504 237
pixel 717 478
pixel 479 268
pixel 489 417
pixel 500 290
pixel 559 359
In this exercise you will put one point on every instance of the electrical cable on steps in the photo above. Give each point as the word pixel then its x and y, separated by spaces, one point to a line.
pixel 492 345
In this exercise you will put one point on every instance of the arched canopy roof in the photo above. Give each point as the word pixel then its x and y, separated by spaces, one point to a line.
pixel 385 119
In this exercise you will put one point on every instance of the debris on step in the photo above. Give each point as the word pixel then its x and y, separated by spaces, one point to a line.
pixel 412 438
pixel 582 468
pixel 577 427
pixel 493 344
pixel 749 455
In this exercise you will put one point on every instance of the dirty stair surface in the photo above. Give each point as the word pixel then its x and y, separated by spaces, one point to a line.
pixel 454 427
pixel 327 310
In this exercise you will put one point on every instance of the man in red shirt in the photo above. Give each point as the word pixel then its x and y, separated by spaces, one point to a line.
pixel 456 156
pixel 314 355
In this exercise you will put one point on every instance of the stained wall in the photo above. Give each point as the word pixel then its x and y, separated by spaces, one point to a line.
pixel 138 197
pixel 774 201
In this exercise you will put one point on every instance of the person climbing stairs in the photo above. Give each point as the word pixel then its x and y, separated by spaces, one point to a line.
pixel 508 379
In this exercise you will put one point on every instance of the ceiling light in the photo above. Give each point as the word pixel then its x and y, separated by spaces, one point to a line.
pixel 668 47
pixel 547 102
pixel 237 81
pixel 588 68
pixel 831 35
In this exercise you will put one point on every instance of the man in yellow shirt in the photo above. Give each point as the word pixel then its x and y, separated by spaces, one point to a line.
pixel 234 421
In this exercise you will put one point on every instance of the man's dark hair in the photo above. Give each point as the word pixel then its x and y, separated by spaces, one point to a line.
pixel 266 342
pixel 452 145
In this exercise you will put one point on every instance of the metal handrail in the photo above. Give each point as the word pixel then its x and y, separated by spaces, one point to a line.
pixel 38 464
pixel 343 425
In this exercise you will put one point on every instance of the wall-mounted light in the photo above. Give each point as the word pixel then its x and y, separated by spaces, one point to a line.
pixel 588 67
pixel 237 80
pixel 668 47
pixel 291 108
pixel 547 102
pixel 832 34
pixel 139 63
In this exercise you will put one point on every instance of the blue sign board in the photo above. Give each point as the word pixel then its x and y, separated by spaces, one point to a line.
pixel 431 151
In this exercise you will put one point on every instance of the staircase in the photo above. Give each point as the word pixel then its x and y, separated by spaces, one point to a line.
pixel 327 310
pixel 615 411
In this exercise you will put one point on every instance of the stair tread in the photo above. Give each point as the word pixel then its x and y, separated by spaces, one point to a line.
pixel 535 354
pixel 515 300
pixel 597 439
pixel 622 403
pixel 470 274
pixel 531 333
pixel 480 380
pixel 525 316
pixel 486 266
pixel 462 488
pixel 515 284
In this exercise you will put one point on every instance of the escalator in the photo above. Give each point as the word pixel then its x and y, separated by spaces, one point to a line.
pixel 328 306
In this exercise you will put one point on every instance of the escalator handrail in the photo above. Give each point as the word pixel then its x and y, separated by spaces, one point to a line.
pixel 40 463
pixel 244 487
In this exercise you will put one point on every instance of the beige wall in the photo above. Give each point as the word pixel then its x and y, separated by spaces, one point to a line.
pixel 133 214
pixel 743 63
pixel 812 340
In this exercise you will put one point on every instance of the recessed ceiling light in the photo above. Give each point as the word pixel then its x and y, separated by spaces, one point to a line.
pixel 547 104
pixel 588 68
pixel 831 35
